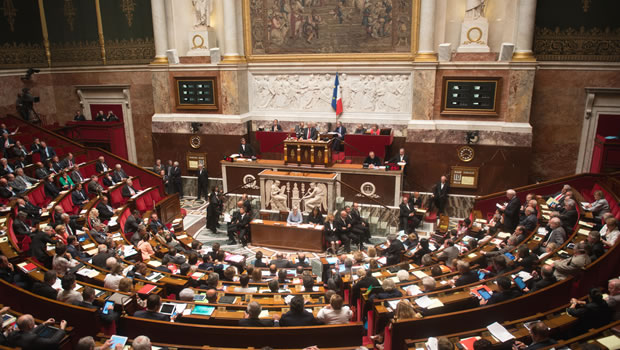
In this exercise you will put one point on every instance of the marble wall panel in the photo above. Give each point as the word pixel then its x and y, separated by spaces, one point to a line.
pixel 458 137
pixel 558 105
pixel 161 93
pixel 423 94
pixel 521 85
pixel 207 128
pixel 229 95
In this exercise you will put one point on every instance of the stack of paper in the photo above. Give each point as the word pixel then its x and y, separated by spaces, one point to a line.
pixel 499 332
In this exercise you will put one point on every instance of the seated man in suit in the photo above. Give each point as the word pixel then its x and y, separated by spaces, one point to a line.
pixel 343 230
pixel 153 303
pixel 359 225
pixel 40 172
pixel 38 246
pixel 44 288
pixel 20 227
pixel 310 133
pixel 76 174
pixel 297 316
pixel 240 222
pixel 32 211
pixel 573 265
pixel 27 337
pixel 155 224
pixel 408 220
pixel 530 220
pixel 79 117
pixel 88 297
pixel 68 162
pixel 245 150
pixel 78 196
pixel 46 151
pixel 108 180
pixel 6 191
pixel 506 292
pixel 5 168
pixel 540 334
pixel 101 166
pixel 394 252
pixel 105 209
pixel 119 174
pixel 50 188
pixel 280 262
pixel 449 253
pixel 465 276
pixel 557 234
pixel 275 126
pixel 372 160
pixel 569 216
pixel 94 187
pixel 128 190
pixel 360 129
pixel 251 319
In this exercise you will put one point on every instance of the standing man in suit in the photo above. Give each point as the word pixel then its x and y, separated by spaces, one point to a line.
pixel 440 195
pixel 101 165
pixel 79 117
pixel 203 182
pixel 213 210
pixel 158 166
pixel 175 178
pixel 245 150
pixel 401 158
pixel 275 126
pixel 310 132
pixel 511 211
pixel 339 137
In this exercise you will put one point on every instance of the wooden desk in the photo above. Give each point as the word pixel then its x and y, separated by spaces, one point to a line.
pixel 278 234
pixel 308 152
pixel 387 184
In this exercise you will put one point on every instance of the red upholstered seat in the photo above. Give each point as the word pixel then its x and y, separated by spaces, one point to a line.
pixel 431 217
pixel 116 198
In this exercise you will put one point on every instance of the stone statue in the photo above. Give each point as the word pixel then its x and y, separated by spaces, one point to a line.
pixel 315 197
pixel 277 196
pixel 202 10
pixel 475 9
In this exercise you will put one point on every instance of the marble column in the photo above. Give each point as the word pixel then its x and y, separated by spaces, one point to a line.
pixel 158 11
pixel 218 7
pixel 525 31
pixel 231 42
pixel 426 35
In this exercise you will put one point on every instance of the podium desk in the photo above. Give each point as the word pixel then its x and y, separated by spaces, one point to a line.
pixel 308 152
pixel 277 234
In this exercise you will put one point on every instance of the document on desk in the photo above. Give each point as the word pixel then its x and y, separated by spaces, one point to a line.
pixel 610 342
pixel 499 332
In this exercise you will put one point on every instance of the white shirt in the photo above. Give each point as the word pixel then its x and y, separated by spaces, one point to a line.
pixel 613 236
pixel 112 281
pixel 330 316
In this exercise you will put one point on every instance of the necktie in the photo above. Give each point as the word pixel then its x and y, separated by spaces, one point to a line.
pixel 69 230
pixel 308 134
pixel 132 191
pixel 10 170
pixel 47 152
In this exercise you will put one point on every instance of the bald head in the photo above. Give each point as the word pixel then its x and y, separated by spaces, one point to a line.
pixel 25 322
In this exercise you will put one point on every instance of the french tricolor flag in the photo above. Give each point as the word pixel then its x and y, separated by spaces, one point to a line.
pixel 337 98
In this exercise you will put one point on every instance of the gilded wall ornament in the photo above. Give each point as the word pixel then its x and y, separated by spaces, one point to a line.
pixel 586 5
pixel 69 12
pixel 128 7
pixel 10 12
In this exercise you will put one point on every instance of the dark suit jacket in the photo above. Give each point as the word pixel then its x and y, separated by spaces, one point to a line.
pixel 154 225
pixel 21 228
pixel 104 212
pixel 341 225
pixel 5 192
pixel 248 152
pixel 40 173
pixel 76 179
pixel 305 318
pixel 108 318
pixel 362 283
pixel 376 161
pixel 313 134
pixel 175 175
pixel 125 192
pixel 50 153
pixel 498 297
pixel 44 290
pixel 107 182
pixel 30 340
pixel 78 197
pixel 394 252
pixel 203 178
pixel 439 193
pixel 131 224
pixel 511 214
pixel 405 210
pixel 119 175
pixel 99 167
pixel 50 189
pixel 280 263
pixel 151 315
pixel 100 258
pixel 94 188
pixel 255 322
pixel 471 277
pixel 33 211
pixel 396 159
pixel 275 127
pixel 569 219
pixel 529 222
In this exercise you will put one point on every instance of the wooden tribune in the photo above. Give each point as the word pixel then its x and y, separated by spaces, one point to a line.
pixel 277 234
pixel 308 152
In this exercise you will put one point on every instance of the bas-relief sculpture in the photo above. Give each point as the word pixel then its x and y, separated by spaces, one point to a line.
pixel 283 197
pixel 330 26
pixel 202 12
pixel 363 93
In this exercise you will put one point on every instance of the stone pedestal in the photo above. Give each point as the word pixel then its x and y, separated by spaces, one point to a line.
pixel 474 35
pixel 200 42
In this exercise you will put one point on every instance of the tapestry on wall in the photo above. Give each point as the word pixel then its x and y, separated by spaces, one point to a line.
pixel 330 26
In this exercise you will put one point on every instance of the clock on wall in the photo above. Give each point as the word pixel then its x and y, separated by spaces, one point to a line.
pixel 465 153
pixel 195 141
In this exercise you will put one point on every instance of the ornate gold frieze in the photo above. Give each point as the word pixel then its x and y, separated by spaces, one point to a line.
pixel 10 12
pixel 69 12
pixel 83 53
pixel 129 51
pixel 573 44
pixel 15 55
pixel 128 7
